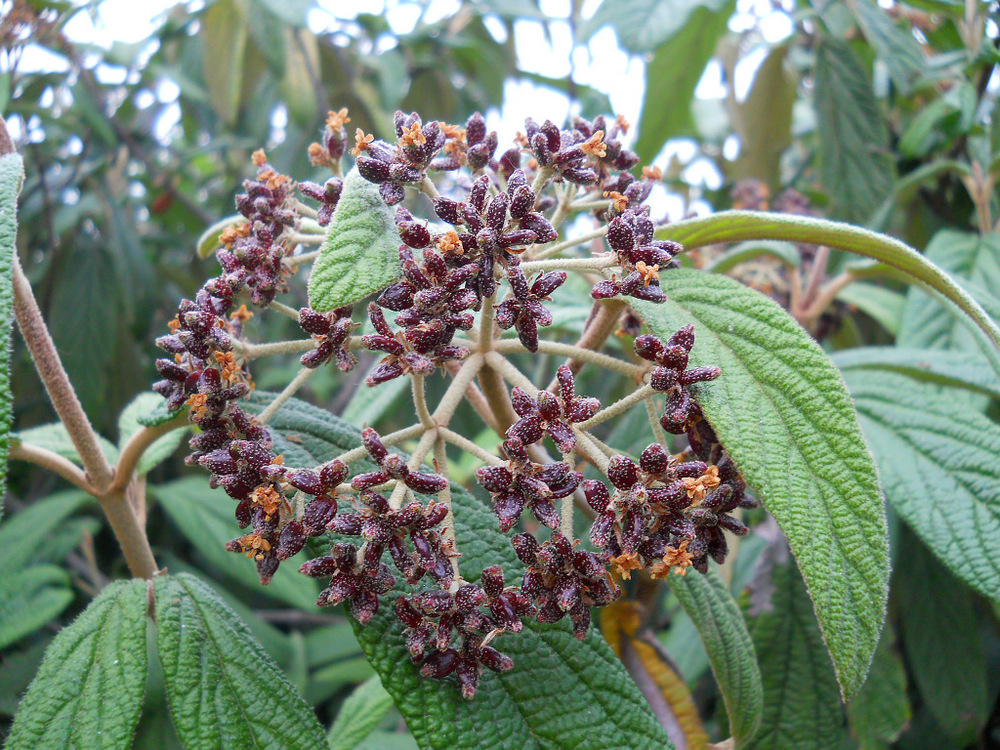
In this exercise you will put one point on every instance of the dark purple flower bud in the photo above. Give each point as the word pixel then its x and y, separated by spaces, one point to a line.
pixel 320 511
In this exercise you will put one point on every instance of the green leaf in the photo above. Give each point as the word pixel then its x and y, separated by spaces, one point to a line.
pixel 208 242
pixel 665 117
pixel 785 252
pixel 11 177
pixel 360 254
pixel 939 469
pixel 224 691
pixel 941 636
pixel 368 405
pixel 723 631
pixel 783 413
pixel 856 164
pixel 89 690
pixel 292 12
pixel 882 305
pixel 644 25
pixel 739 226
pixel 205 517
pixel 881 711
pixel 895 45
pixel 29 599
pixel 561 692
pixel 55 438
pixel 158 415
pixel 129 423
pixel 224 35
pixel 22 536
pixel 802 709
pixel 363 710
pixel 962 369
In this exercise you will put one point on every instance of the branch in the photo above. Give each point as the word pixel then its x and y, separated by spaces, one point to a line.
pixel 53 462
pixel 137 445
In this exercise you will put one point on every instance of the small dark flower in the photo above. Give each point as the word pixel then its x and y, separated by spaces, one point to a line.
pixel 331 332
pixel 525 311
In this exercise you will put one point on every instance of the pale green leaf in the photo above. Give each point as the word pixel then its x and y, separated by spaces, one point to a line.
pixel 205 517
pixel 561 693
pixel 292 12
pixel 29 598
pixel 739 226
pixel 224 691
pixel 783 413
pixel 941 637
pixel 360 254
pixel 11 177
pixel 881 710
pixel 22 535
pixel 962 369
pixel 882 305
pixel 855 161
pixel 363 710
pixel 939 469
pixel 643 25
pixel 208 243
pixel 894 44
pixel 730 650
pixel 129 423
pixel 224 33
pixel 368 405
pixel 802 709
pixel 55 438
pixel 89 690
pixel 784 252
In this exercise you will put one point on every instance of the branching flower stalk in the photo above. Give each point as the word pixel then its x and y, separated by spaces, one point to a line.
pixel 479 256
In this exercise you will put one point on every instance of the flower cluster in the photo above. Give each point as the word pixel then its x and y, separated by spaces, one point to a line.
pixel 330 331
pixel 641 257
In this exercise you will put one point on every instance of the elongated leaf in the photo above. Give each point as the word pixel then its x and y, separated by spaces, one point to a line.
pixel 738 226
pixel 894 44
pixel 802 709
pixel 730 649
pixel 948 662
pixel 205 517
pixel 89 690
pixel 881 711
pixel 368 405
pixel 560 687
pixel 785 252
pixel 29 599
pixel 23 534
pixel 360 254
pixel 208 243
pixel 962 369
pixel 11 177
pixel 939 469
pixel 224 691
pixel 856 163
pixel 882 305
pixel 129 424
pixel 643 25
pixel 783 413
pixel 55 438
pixel 363 710
pixel 669 116
pixel 224 33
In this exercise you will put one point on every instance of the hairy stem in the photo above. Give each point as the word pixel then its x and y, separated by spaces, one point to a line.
pixel 618 407
pixel 441 461
pixel 658 434
pixel 297 382
pixel 460 441
pixel 575 353
pixel 284 309
pixel 596 263
pixel 53 462
pixel 137 445
pixel 566 244
pixel 296 346
pixel 416 459
pixel 417 383
pixel 299 260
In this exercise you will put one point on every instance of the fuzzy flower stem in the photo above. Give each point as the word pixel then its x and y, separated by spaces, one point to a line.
pixel 298 238
pixel 618 407
pixel 297 382
pixel 137 444
pixel 566 516
pixel 460 441
pixel 596 263
pixel 419 454
pixel 303 210
pixel 635 372
pixel 420 400
pixel 566 244
pixel 448 529
pixel 285 310
pixel 453 396
pixel 356 454
pixel 654 421
pixel 299 260
pixel 253 351
pixel 541 178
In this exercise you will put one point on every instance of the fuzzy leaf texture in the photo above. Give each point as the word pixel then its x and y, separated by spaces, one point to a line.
pixel 939 469
pixel 224 690
pixel 723 630
pixel 802 709
pixel 783 413
pixel 360 253
pixel 562 693
pixel 130 422
pixel 89 690
pixel 11 176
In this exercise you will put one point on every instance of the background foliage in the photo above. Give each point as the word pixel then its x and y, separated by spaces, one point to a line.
pixel 885 115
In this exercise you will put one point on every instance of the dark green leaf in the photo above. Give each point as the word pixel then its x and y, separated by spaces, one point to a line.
pixel 939 469
pixel 89 690
pixel 205 517
pixel 785 252
pixel 363 710
pixel 22 536
pixel 29 598
pixel 720 623
pixel 856 165
pixel 292 12
pixel 940 629
pixel 895 45
pixel 11 177
pixel 881 711
pixel 783 413
pixel 368 405
pixel 643 25
pixel 360 254
pixel 224 691
pixel 962 369
pixel 802 709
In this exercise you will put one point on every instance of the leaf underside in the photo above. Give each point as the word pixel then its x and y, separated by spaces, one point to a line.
pixel 11 176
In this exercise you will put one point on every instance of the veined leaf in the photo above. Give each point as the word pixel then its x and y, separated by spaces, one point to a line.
pixel 738 226
pixel 782 412
pixel 361 712
pixel 89 690
pixel 129 423
pixel 856 163
pixel 881 711
pixel 11 177
pixel 29 598
pixel 962 369
pixel 22 535
pixel 939 470
pixel 360 254
pixel 948 662
pixel 723 630
pixel 802 709
pixel 643 25
pixel 224 690
pixel 560 687
pixel 894 44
